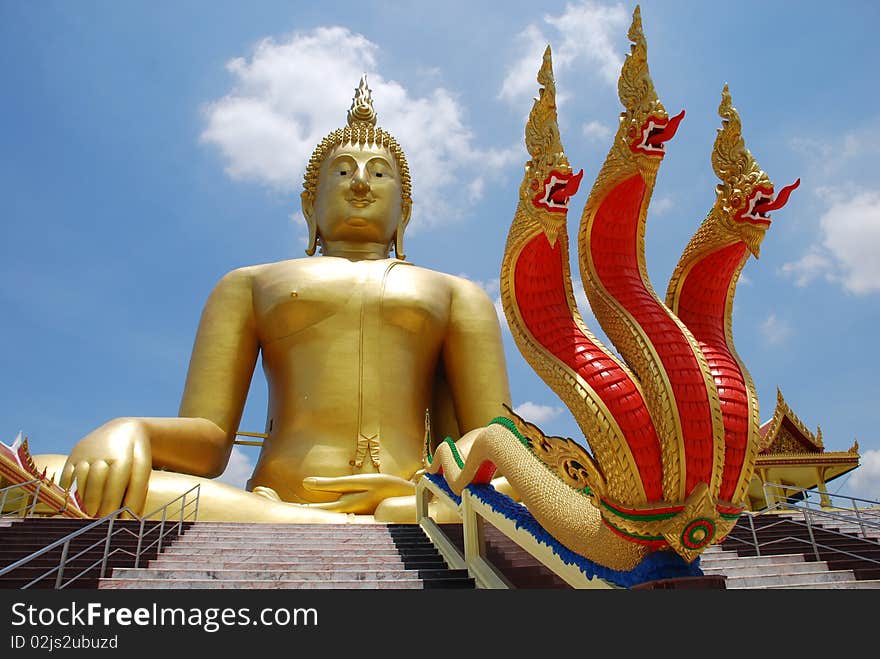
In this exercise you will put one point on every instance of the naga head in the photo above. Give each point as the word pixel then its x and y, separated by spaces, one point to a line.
pixel 645 126
pixel 745 194
pixel 549 182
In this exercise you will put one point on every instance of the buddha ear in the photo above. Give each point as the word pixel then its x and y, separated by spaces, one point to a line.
pixel 308 210
pixel 405 212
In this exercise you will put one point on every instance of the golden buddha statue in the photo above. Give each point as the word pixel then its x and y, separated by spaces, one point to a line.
pixel 355 344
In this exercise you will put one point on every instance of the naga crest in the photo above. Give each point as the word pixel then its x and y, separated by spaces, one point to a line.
pixel 745 194
pixel 644 125
pixel 548 182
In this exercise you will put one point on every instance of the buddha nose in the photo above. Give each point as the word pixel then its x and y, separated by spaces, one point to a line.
pixel 359 183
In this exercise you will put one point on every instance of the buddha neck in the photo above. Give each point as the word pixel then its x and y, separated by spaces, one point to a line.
pixel 355 251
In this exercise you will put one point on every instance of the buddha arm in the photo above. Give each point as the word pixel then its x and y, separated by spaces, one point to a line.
pixel 473 357
pixel 199 441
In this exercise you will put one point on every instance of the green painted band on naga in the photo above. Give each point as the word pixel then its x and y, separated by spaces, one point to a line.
pixel 639 517
pixel 647 538
pixel 455 454
pixel 511 426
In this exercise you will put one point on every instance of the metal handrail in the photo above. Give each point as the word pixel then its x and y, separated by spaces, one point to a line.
pixel 806 490
pixel 24 495
pixel 110 518
pixel 864 518
pixel 810 515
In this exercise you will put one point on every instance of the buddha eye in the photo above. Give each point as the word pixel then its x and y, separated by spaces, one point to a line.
pixel 379 174
pixel 343 172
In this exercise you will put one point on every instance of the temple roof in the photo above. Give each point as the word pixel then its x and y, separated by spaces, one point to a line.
pixel 784 432
pixel 786 441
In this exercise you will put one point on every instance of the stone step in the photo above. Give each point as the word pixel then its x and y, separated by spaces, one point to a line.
pixel 816 577
pixel 329 573
pixel 303 540
pixel 750 570
pixel 343 563
pixel 274 526
pixel 204 584
pixel 198 553
pixel 300 546
pixel 302 537
pixel 304 528
pixel 758 561
pixel 834 585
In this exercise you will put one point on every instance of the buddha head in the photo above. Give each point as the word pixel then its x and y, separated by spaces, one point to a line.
pixel 357 185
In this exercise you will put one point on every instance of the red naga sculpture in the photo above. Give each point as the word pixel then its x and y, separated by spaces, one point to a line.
pixel 672 423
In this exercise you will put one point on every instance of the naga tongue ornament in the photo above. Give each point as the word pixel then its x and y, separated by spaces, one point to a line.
pixel 672 427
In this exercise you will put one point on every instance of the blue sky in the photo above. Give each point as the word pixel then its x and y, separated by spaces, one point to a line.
pixel 149 147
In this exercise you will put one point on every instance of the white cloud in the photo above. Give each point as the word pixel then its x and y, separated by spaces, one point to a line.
pixel 289 94
pixel 865 481
pixel 852 235
pixel 536 413
pixel 838 154
pixel 775 331
pixel 850 242
pixel 662 205
pixel 596 131
pixel 238 470
pixel 584 34
pixel 491 286
pixel 810 266
pixel 502 317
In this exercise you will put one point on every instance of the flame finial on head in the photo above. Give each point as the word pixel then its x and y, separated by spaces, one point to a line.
pixel 361 111
pixel 360 129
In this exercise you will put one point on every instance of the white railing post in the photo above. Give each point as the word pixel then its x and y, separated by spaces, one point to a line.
pixel 754 535
pixel 162 529
pixel 36 497
pixel 107 547
pixel 60 576
pixel 137 554
pixel 807 519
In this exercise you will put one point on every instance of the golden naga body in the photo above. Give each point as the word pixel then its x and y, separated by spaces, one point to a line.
pixel 355 345
pixel 673 422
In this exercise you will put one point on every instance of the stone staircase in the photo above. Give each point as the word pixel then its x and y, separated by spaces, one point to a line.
pixel 22 537
pixel 230 555
pixel 273 556
pixel 520 568
pixel 787 559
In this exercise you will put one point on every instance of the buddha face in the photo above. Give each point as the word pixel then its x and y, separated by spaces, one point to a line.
pixel 358 197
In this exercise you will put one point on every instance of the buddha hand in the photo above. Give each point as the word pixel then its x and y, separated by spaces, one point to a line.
pixel 111 466
pixel 358 493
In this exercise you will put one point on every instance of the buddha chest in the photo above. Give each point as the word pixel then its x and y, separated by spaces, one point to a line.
pixel 343 296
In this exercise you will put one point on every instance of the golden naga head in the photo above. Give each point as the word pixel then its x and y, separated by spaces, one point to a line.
pixel 548 183
pixel 645 125
pixel 745 194
pixel 361 130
